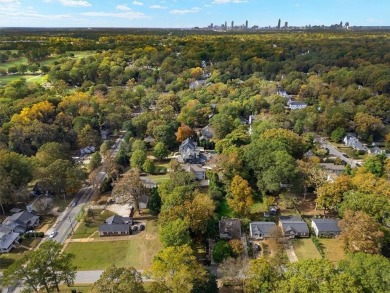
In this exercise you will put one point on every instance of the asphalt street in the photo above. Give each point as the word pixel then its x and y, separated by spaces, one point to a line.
pixel 335 152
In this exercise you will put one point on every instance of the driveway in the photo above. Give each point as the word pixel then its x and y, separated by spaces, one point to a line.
pixel 292 257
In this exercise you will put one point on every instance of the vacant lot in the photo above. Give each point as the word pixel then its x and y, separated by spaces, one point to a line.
pixel 138 251
pixel 332 249
pixel 305 249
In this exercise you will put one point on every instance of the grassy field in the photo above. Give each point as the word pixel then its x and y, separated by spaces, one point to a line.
pixel 87 287
pixel 86 230
pixel 29 78
pixel 332 249
pixel 8 259
pixel 14 62
pixel 305 249
pixel 224 210
pixel 158 179
pixel 138 251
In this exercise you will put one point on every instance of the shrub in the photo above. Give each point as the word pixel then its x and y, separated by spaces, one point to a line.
pixel 222 251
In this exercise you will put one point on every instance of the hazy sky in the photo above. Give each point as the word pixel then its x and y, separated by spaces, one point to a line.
pixel 190 13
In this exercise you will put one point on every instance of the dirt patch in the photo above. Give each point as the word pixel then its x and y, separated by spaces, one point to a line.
pixel 119 209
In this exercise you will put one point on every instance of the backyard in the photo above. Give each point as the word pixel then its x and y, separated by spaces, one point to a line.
pixel 332 249
pixel 305 249
pixel 89 228
pixel 136 250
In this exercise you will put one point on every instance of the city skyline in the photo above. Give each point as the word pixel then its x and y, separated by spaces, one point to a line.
pixel 190 13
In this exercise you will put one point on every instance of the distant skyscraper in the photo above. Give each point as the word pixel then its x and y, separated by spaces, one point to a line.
pixel 226 25
pixel 246 24
pixel 279 23
pixel 212 25
pixel 232 24
pixel 286 24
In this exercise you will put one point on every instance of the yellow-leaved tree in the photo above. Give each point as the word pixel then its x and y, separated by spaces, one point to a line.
pixel 240 197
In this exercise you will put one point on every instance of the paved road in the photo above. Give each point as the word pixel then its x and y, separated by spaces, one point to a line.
pixel 67 220
pixel 335 152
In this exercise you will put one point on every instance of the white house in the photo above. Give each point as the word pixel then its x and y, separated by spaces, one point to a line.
pixel 352 141
pixel 325 227
pixel 8 238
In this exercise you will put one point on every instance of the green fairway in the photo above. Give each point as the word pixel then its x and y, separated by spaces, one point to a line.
pixel 30 78
pixel 14 62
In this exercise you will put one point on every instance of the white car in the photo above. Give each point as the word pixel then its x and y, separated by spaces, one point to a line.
pixel 53 234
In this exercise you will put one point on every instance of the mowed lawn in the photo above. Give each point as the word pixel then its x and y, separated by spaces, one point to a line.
pixel 4 80
pixel 333 250
pixel 138 251
pixel 305 249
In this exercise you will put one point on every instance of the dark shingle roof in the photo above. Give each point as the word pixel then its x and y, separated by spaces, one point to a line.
pixel 263 227
pixel 118 220
pixel 327 225
pixel 114 228
pixel 231 227
pixel 21 218
pixel 294 223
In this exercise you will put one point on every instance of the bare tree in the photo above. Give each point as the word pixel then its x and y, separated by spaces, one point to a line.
pixel 129 188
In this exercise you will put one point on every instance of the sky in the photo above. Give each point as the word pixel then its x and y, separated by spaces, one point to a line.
pixel 190 13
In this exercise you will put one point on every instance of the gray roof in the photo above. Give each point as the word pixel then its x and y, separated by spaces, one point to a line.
pixel 188 143
pixel 23 218
pixel 264 227
pixel 114 228
pixel 118 220
pixel 294 223
pixel 232 227
pixel 207 132
pixel 9 237
pixel 4 230
pixel 327 225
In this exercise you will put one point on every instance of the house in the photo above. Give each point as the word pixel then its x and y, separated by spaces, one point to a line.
pixel 293 227
pixel 188 152
pixel 88 150
pixel 352 141
pixel 8 238
pixel 197 84
pixel 294 105
pixel 191 153
pixel 331 168
pixel 206 133
pixel 197 170
pixel 376 151
pixel 261 230
pixel 39 204
pixel 116 226
pixel 22 221
pixel 230 228
pixel 325 227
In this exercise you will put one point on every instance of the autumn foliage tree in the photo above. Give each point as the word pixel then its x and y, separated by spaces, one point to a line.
pixel 240 197
pixel 184 132
pixel 360 232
